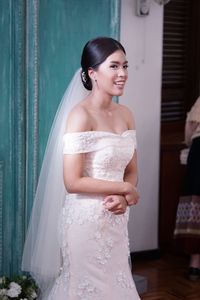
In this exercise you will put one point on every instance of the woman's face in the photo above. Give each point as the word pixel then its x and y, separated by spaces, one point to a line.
pixel 112 74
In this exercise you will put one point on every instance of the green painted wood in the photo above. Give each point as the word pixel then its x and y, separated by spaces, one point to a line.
pixel 6 177
pixel 42 43
pixel 19 131
pixel 64 28
pixel 32 89
pixel 1 216
pixel 12 132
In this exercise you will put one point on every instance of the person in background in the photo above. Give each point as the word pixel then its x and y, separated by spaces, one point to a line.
pixel 187 229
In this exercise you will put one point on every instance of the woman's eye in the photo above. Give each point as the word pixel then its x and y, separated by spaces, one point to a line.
pixel 114 66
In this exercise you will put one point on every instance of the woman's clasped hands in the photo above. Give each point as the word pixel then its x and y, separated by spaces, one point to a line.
pixel 117 204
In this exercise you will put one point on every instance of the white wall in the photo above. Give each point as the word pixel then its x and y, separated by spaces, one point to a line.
pixel 142 38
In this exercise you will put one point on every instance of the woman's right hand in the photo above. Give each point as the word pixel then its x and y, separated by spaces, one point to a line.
pixel 116 204
pixel 131 194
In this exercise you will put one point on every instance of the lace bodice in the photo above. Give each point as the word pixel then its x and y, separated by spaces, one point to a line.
pixel 106 154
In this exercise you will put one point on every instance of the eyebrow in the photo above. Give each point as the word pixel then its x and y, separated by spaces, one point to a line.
pixel 117 62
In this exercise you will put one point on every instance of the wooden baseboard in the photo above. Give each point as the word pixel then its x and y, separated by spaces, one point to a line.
pixel 146 255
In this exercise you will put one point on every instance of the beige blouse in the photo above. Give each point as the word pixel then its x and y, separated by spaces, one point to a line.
pixel 192 126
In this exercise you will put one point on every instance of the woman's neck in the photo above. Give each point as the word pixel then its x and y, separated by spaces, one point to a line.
pixel 100 101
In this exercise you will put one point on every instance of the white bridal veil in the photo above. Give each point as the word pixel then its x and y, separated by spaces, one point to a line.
pixel 41 256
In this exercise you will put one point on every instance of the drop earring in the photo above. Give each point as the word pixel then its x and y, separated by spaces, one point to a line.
pixel 95 82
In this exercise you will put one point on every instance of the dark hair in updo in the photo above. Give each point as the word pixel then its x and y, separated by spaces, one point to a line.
pixel 94 53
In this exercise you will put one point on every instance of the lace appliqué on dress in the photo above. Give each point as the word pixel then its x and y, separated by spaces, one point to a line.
pixel 87 141
pixel 87 291
pixel 124 281
pixel 80 211
pixel 104 248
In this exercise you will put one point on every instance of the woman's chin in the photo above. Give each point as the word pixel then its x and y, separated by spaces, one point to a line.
pixel 119 93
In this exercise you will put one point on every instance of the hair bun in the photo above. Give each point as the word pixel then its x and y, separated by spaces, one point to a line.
pixel 86 80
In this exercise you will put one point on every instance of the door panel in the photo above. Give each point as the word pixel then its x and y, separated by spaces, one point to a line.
pixel 64 28
pixel 42 43
pixel 12 132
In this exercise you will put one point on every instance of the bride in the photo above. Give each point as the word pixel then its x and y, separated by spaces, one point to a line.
pixel 77 242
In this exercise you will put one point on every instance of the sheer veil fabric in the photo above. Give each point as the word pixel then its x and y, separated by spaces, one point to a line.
pixel 41 256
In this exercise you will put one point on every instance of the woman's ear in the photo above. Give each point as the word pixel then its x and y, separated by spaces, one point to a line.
pixel 91 74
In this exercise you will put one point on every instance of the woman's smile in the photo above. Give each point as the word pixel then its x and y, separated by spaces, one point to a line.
pixel 120 83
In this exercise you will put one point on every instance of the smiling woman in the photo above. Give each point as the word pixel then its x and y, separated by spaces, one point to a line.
pixel 99 164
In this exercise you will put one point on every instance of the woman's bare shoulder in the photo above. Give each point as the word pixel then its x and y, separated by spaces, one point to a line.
pixel 78 119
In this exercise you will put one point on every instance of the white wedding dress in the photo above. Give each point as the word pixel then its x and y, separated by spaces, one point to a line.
pixel 94 242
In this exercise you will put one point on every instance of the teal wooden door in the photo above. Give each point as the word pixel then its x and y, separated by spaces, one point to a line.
pixel 65 26
pixel 41 48
pixel 12 133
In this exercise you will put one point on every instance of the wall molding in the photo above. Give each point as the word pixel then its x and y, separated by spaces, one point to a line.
pixel 152 254
pixel 19 137
pixel 1 216
pixel 32 103
pixel 115 9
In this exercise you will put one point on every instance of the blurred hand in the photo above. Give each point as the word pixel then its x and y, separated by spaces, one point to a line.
pixel 116 204
pixel 132 195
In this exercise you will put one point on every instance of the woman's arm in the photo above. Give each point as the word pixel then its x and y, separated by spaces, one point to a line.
pixel 131 171
pixel 75 182
pixel 131 176
pixel 117 203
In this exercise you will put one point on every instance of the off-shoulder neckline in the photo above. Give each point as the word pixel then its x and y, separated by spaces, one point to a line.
pixel 100 132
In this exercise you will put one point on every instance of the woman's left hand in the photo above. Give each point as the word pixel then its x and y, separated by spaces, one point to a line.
pixel 116 204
